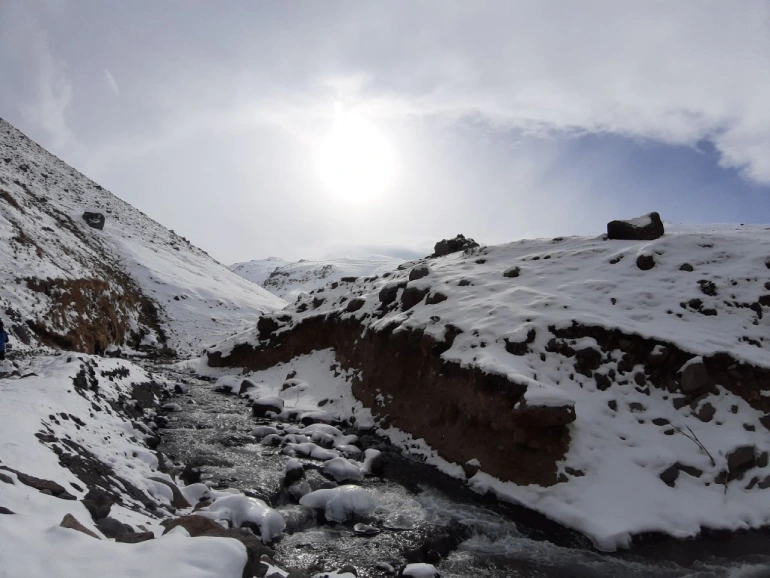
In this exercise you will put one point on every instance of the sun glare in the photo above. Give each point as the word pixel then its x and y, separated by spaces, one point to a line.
pixel 355 161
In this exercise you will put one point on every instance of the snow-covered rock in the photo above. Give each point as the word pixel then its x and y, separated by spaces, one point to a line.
pixel 341 504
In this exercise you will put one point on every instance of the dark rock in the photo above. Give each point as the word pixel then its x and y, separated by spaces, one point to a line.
pixel 764 484
pixel 355 304
pixel 447 246
pixel 640 379
pixel 266 326
pixel 69 521
pixel 412 296
pixel 246 385
pixel 98 503
pixel 669 475
pixel 419 272
pixel 708 287
pixel 194 524
pixel 658 356
pixel 645 228
pixel 435 298
pixel 691 471
pixel 471 468
pixel 6 479
pixel 706 412
pixel 645 262
pixel 613 405
pixel 739 460
pixel 260 408
pixel 190 475
pixel 94 220
pixel 635 406
pixel 152 442
pixel 389 292
pixel 135 538
pixel 660 421
pixel 112 528
pixel 687 267
pixel 589 357
pixel 41 485
pixel 512 272
pixel 293 475
pixel 695 377
pixel 762 460
pixel 602 381
pixel 6 511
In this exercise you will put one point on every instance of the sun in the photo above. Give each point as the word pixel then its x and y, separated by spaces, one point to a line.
pixel 355 161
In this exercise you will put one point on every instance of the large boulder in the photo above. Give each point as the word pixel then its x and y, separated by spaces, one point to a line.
pixel 94 220
pixel 447 246
pixel 98 503
pixel 644 228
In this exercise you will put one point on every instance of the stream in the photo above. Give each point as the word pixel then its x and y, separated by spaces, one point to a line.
pixel 422 515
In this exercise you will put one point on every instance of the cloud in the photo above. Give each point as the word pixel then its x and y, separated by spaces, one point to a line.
pixel 110 80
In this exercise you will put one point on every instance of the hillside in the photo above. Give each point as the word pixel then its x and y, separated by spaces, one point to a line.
pixel 619 387
pixel 134 282
pixel 289 280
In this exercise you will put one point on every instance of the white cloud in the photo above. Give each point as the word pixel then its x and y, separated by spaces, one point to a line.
pixel 110 80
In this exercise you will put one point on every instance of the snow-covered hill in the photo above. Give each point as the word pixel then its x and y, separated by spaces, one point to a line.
pixel 288 280
pixel 618 387
pixel 69 285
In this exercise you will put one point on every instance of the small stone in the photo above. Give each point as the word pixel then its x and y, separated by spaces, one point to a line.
pixel 645 262
pixel 706 412
pixel 512 272
pixel 69 521
pixel 687 267
pixel 669 475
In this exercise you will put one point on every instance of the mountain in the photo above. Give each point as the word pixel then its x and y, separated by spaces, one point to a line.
pixel 288 280
pixel 619 387
pixel 259 270
pixel 70 284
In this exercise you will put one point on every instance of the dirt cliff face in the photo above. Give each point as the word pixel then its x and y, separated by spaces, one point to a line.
pixel 463 413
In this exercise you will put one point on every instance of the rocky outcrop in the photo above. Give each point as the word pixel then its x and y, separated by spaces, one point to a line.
pixel 464 413
pixel 94 220
pixel 447 246
pixel 645 228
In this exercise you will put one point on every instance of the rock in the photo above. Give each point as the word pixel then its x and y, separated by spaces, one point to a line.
pixel 262 405
pixel 135 538
pixel 706 412
pixel 589 357
pixel 764 484
pixel 447 246
pixel 389 293
pixel 687 267
pixel 435 298
pixel 355 304
pixel 412 296
pixel 246 385
pixel 112 528
pixel 613 405
pixel 178 500
pixel 512 272
pixel 419 272
pixel 695 377
pixel 152 442
pixel 266 326
pixel 543 417
pixel 645 228
pixel 190 475
pixel 6 479
pixel 739 461
pixel 69 521
pixel 365 530
pixel 645 262
pixel 762 460
pixel 94 220
pixel 194 524
pixel 471 468
pixel 6 511
pixel 294 472
pixel 660 421
pixel 670 474
pixel 658 356
pixel 47 486
pixel 98 503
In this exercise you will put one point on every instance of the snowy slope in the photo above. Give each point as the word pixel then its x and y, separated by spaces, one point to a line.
pixel 288 280
pixel 132 260
pixel 258 270
pixel 707 293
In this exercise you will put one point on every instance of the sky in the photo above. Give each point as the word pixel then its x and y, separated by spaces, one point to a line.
pixel 344 128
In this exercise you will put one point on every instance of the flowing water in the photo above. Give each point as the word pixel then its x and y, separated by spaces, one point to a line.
pixel 423 515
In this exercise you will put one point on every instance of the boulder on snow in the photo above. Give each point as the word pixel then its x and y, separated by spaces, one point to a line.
pixel 112 528
pixel 412 296
pixel 69 521
pixel 389 292
pixel 94 220
pixel 695 377
pixel 47 486
pixel 740 460
pixel 645 228
pixel 447 246
pixel 419 272
pixel 135 538
pixel 645 262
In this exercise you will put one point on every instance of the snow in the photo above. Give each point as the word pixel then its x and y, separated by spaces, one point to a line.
pixel 591 282
pixel 239 509
pixel 343 470
pixel 42 234
pixel 341 504
pixel 289 280
pixel 33 544
pixel 420 571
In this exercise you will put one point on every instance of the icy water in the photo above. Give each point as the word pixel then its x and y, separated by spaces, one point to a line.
pixel 422 514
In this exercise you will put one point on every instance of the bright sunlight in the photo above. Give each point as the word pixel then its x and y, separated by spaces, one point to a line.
pixel 356 161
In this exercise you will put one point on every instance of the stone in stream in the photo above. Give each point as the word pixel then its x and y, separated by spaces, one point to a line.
pixel 262 405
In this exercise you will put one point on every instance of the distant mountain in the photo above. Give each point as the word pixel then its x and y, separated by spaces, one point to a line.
pixel 66 282
pixel 288 280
